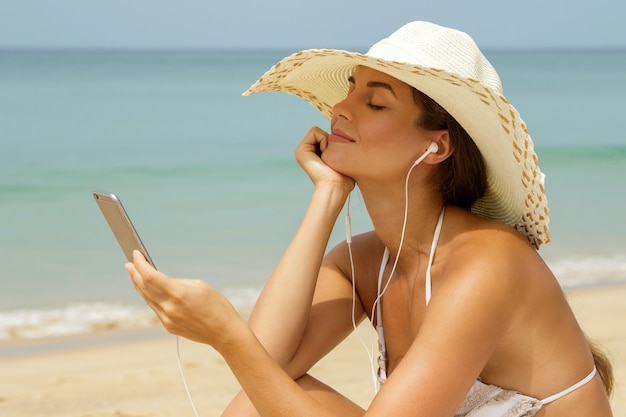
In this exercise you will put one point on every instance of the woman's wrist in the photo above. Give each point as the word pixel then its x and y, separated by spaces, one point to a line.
pixel 333 196
pixel 235 335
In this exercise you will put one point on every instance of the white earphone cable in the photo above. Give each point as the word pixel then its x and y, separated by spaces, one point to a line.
pixel 432 148
pixel 182 374
pixel 404 222
pixel 369 352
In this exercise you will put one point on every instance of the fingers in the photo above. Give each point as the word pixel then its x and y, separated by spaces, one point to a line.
pixel 324 144
pixel 141 263
pixel 309 157
pixel 319 137
pixel 315 141
pixel 308 152
pixel 151 284
pixel 186 307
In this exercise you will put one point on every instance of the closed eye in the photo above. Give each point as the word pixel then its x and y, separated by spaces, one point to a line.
pixel 375 107
pixel 371 84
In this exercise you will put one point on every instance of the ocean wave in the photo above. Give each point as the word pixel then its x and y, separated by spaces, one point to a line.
pixel 76 318
pixel 84 318
pixel 590 270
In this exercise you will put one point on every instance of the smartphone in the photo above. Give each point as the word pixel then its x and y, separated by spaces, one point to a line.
pixel 120 224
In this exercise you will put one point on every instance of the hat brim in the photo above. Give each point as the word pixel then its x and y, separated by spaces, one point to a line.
pixel 515 194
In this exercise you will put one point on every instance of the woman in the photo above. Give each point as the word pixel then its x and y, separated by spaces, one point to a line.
pixel 468 314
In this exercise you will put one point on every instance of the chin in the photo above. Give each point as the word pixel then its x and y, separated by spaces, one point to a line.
pixel 332 160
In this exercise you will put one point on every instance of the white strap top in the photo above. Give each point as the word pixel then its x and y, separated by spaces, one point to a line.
pixel 482 400
pixel 382 359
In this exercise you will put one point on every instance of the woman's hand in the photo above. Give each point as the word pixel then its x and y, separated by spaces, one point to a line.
pixel 187 308
pixel 308 154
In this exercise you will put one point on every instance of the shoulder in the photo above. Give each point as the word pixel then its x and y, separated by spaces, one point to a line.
pixel 479 296
pixel 477 242
pixel 486 263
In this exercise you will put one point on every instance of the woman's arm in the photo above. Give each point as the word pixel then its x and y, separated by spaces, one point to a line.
pixel 299 315
pixel 281 313
pixel 329 322
pixel 280 316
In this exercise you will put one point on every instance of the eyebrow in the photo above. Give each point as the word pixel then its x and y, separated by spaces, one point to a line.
pixel 375 84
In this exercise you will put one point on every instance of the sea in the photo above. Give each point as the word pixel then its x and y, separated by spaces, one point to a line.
pixel 209 178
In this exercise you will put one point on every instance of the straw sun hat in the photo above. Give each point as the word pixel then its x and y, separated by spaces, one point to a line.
pixel 446 65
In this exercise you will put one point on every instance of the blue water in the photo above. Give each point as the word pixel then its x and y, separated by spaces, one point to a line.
pixel 209 178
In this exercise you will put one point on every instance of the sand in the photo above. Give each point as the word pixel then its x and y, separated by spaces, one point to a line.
pixel 135 374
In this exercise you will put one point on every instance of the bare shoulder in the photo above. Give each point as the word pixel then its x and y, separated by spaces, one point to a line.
pixel 485 239
pixel 476 252
pixel 467 228
pixel 493 276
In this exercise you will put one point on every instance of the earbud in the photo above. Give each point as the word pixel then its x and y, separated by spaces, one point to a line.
pixel 432 148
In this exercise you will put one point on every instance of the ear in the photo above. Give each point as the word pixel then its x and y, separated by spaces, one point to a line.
pixel 444 147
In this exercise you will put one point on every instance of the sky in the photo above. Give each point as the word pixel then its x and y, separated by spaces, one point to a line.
pixel 304 24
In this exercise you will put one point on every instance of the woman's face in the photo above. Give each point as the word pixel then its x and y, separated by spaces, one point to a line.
pixel 374 131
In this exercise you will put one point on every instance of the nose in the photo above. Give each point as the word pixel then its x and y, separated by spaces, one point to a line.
pixel 342 109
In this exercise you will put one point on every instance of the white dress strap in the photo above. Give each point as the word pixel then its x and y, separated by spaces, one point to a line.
pixel 433 246
pixel 379 308
pixel 574 387
pixel 381 375
pixel 382 348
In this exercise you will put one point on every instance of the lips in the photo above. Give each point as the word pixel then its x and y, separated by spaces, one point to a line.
pixel 339 136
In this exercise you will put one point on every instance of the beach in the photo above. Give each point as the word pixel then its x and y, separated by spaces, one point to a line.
pixel 210 181
pixel 135 373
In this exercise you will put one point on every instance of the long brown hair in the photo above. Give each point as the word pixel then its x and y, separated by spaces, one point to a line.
pixel 603 365
pixel 463 180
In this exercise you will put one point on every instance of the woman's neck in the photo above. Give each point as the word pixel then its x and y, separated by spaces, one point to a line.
pixel 386 207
